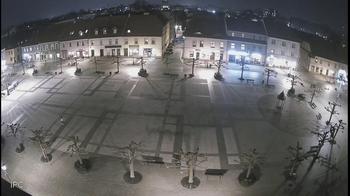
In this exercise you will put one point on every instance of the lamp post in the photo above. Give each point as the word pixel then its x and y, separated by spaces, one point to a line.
pixel 117 64
pixel 242 65
pixel 61 65
pixel 4 169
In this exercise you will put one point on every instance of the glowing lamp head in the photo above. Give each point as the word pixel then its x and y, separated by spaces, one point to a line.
pixel 3 167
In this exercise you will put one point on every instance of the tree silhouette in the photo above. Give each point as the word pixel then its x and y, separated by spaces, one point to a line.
pixel 41 137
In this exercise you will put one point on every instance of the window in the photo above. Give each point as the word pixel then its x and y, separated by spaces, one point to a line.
pixel 191 54
pixel 126 41
pixel 115 30
pixel 221 44
pixel 70 44
pixel 242 47
pixel 201 43
pixel 116 41
pixel 92 42
pixel 273 42
pixel 293 45
pixel 292 54
pixel 77 43
pixel 104 31
pixel 55 44
pixel 212 44
pixel 96 31
pixel 52 46
pixel 153 41
pixel 242 34
pixel 146 41
pixel 101 42
pixel 81 33
pixel 284 43
pixel 110 42
pixel 320 61
pixel 194 43
pixel 30 49
pixel 329 64
pixel 272 51
pixel 232 45
pixel 282 52
pixel 233 34
pixel 136 41
pixel 82 43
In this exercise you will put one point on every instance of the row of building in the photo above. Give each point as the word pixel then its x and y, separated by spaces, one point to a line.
pixel 263 42
pixel 145 35
pixel 207 37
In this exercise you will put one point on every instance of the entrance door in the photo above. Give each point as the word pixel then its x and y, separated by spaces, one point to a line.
pixel 197 55
pixel 118 52
pixel 231 58
pixel 113 52
pixel 212 56
pixel 101 52
pixel 92 52
pixel 125 52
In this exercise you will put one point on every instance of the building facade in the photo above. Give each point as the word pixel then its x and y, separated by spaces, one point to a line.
pixel 206 49
pixel 42 52
pixel 12 56
pixel 282 53
pixel 74 48
pixel 327 67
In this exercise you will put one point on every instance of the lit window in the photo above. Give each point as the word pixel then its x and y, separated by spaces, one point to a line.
pixel 30 49
pixel 233 34
pixel 126 41
pixel 242 47
pixel 242 34
pixel 201 43
pixel 283 43
pixel 194 43
pixel 212 44
pixel 96 31
pixel 136 41
pixel 232 45
pixel 221 44
pixel 191 54
pixel 146 41
pixel 104 31
pixel 115 30
pixel 153 41
pixel 128 31
pixel 81 33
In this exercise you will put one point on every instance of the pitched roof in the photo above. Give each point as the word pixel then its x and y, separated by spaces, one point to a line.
pixel 206 25
pixel 280 30
pixel 245 25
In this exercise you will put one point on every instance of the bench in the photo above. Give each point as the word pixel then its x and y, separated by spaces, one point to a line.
pixel 152 159
pixel 250 81
pixel 215 172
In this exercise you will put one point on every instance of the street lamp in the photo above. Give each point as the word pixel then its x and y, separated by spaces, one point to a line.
pixel 242 65
pixel 4 167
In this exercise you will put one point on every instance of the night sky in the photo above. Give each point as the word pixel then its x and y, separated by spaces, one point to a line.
pixel 330 12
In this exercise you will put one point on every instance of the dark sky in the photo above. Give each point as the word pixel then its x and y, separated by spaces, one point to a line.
pixel 331 12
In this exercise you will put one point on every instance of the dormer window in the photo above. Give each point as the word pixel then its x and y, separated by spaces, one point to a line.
pixel 71 33
pixel 128 31
pixel 104 31
pixel 86 31
pixel 96 31
pixel 81 33
pixel 115 30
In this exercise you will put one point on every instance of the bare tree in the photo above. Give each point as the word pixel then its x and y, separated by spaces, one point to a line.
pixel 130 153
pixel 75 148
pixel 41 137
pixel 15 130
pixel 250 160
pixel 192 159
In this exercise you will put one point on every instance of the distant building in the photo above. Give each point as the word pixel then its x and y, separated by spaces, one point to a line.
pixel 12 56
pixel 327 67
pixel 48 51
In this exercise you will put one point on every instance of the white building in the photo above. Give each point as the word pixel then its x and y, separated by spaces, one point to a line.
pixel 74 48
pixel 282 53
pixel 331 69
pixel 48 51
pixel 12 56
pixel 207 49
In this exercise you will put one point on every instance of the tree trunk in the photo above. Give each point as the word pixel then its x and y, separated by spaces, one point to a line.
pixel 132 172
pixel 249 171
pixel 190 173
pixel 43 150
